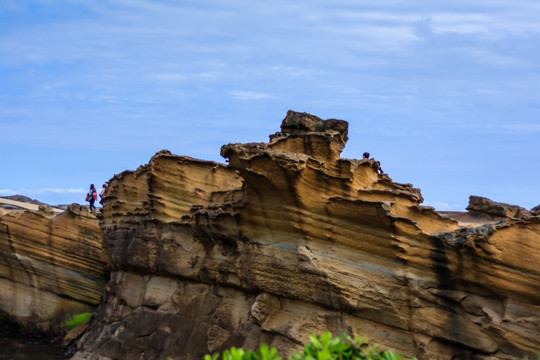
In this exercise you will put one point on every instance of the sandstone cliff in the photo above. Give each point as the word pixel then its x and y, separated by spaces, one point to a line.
pixel 289 239
pixel 50 265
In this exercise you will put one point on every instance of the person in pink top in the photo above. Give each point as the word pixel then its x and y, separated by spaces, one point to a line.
pixel 102 193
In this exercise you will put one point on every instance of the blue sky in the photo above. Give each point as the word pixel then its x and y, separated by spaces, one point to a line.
pixel 445 94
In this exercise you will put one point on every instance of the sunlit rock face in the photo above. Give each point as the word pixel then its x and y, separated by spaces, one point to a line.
pixel 50 265
pixel 289 239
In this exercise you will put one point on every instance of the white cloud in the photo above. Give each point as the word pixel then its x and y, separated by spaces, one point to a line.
pixel 168 77
pixel 250 95
pixel 181 77
pixel 523 128
pixel 514 17
pixel 379 16
pixel 8 192
pixel 499 128
pixel 62 190
pixel 291 70
pixel 445 206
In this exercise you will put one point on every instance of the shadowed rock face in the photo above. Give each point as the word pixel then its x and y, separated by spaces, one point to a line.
pixel 289 240
pixel 482 205
pixel 50 267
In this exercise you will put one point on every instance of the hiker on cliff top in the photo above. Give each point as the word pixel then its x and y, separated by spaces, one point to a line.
pixel 91 196
pixel 379 169
pixel 102 193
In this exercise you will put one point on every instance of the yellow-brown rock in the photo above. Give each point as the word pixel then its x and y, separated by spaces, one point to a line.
pixel 288 240
pixel 50 265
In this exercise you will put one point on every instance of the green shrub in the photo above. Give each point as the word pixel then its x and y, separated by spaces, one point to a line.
pixel 78 319
pixel 324 347
pixel 342 347
pixel 233 353
pixel 537 357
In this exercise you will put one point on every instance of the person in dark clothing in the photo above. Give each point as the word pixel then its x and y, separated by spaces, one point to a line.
pixel 91 196
pixel 379 169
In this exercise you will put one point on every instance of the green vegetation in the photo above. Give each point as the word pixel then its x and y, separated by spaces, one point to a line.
pixel 78 319
pixel 324 347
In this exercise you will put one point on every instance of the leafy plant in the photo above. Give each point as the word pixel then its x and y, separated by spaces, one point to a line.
pixel 342 347
pixel 324 347
pixel 78 319
pixel 537 357
pixel 233 353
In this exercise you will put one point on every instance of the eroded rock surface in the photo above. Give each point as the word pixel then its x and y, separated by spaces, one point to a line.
pixel 288 240
pixel 50 265
pixel 482 205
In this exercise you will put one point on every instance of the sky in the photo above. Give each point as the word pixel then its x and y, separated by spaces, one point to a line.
pixel 445 94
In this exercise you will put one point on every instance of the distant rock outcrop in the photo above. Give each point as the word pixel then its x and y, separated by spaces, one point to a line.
pixel 482 205
pixel 288 240
pixel 50 265
pixel 22 198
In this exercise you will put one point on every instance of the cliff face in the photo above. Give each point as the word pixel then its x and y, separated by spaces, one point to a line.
pixel 289 240
pixel 50 267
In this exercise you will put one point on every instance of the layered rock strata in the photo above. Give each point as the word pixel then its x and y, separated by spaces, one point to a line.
pixel 288 240
pixel 50 266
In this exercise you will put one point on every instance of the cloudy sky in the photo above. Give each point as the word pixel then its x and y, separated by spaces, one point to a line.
pixel 445 94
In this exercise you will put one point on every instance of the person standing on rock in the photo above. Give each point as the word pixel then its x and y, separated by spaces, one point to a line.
pixel 379 169
pixel 91 196
pixel 102 193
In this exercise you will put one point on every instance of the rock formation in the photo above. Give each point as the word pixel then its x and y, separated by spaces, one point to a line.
pixel 288 240
pixel 482 205
pixel 50 266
